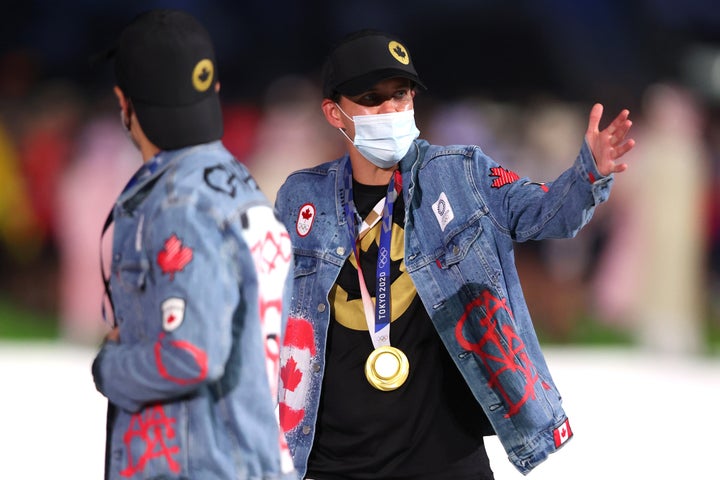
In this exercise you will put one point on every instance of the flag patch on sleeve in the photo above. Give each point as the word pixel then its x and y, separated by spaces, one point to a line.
pixel 562 433
pixel 173 313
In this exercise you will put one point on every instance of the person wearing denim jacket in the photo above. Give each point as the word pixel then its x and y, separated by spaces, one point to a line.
pixel 461 213
pixel 198 281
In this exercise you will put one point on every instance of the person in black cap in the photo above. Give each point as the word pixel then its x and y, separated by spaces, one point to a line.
pixel 409 338
pixel 198 284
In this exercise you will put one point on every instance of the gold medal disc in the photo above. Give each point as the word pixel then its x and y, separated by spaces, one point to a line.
pixel 387 368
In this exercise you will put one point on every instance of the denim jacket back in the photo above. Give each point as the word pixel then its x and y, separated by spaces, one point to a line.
pixel 463 213
pixel 198 270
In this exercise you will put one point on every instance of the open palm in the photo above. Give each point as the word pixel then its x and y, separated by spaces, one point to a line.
pixel 610 144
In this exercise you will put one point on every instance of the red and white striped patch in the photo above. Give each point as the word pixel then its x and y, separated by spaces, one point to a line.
pixel 502 177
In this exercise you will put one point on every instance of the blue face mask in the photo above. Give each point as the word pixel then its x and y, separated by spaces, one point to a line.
pixel 384 138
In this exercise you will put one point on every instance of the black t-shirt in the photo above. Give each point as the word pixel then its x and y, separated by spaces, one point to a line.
pixel 430 427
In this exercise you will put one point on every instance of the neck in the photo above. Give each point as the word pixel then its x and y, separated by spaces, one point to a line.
pixel 148 151
pixel 368 174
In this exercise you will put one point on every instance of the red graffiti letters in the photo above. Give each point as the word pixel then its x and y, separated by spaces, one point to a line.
pixel 197 354
pixel 501 350
pixel 156 431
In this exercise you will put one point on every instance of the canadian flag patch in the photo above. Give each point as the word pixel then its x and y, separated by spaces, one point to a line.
pixel 562 433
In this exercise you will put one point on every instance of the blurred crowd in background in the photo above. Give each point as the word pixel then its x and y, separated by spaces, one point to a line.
pixel 519 82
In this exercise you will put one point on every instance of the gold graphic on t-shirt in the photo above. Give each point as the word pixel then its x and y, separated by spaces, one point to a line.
pixel 349 311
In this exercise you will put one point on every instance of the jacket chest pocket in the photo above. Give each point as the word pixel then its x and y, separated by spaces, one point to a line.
pixel 305 273
pixel 471 252
pixel 131 272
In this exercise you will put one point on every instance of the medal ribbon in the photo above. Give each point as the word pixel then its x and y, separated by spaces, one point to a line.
pixel 377 316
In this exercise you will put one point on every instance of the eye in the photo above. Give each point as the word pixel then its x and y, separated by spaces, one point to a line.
pixel 401 94
pixel 369 99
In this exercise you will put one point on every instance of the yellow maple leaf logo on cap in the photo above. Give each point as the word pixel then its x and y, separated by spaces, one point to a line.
pixel 203 75
pixel 399 52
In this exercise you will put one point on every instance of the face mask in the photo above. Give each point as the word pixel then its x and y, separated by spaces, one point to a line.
pixel 384 138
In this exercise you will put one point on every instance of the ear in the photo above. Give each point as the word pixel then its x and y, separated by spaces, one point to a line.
pixel 333 115
pixel 125 108
pixel 122 101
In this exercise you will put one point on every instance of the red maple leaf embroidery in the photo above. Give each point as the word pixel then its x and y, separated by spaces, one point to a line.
pixel 503 176
pixel 307 214
pixel 174 256
pixel 290 375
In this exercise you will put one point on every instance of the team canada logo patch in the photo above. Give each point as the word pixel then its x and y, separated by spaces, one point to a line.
pixel 502 177
pixel 173 313
pixel 305 219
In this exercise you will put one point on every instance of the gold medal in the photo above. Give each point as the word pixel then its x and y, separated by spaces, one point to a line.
pixel 387 368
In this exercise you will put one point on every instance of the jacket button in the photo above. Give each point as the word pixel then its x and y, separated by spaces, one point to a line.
pixel 316 367
pixel 456 250
pixel 306 429
pixel 340 251
pixel 321 307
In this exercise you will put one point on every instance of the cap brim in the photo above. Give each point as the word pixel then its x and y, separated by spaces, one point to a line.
pixel 366 82
pixel 173 127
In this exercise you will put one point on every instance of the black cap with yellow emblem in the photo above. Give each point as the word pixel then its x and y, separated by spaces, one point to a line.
pixel 165 64
pixel 364 58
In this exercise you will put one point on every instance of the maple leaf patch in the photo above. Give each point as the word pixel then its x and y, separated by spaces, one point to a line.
pixel 502 177
pixel 174 256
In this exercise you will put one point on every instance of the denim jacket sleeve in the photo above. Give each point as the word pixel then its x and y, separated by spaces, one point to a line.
pixel 526 210
pixel 178 268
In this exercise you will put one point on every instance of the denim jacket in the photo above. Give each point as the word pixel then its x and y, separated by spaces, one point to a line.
pixel 197 279
pixel 463 212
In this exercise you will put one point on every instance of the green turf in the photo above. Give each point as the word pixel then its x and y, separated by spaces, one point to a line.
pixel 23 323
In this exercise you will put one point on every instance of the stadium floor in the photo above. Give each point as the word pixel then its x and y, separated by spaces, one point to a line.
pixel 634 414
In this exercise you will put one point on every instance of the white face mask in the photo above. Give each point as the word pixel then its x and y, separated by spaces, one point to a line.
pixel 384 138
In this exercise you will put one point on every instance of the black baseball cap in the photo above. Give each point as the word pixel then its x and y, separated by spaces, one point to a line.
pixel 364 58
pixel 165 63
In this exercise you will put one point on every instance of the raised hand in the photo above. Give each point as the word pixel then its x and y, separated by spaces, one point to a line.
pixel 609 145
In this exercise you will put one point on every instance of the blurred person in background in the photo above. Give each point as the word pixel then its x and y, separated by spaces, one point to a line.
pixel 651 279
pixel 291 129
pixel 103 161
pixel 198 280
pixel 409 338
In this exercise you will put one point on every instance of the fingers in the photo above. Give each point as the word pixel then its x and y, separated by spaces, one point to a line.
pixel 594 120
pixel 622 149
pixel 620 126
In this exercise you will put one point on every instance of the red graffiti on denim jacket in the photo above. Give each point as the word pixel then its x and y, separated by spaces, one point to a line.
pixel 197 354
pixel 156 431
pixel 501 350
pixel 295 371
